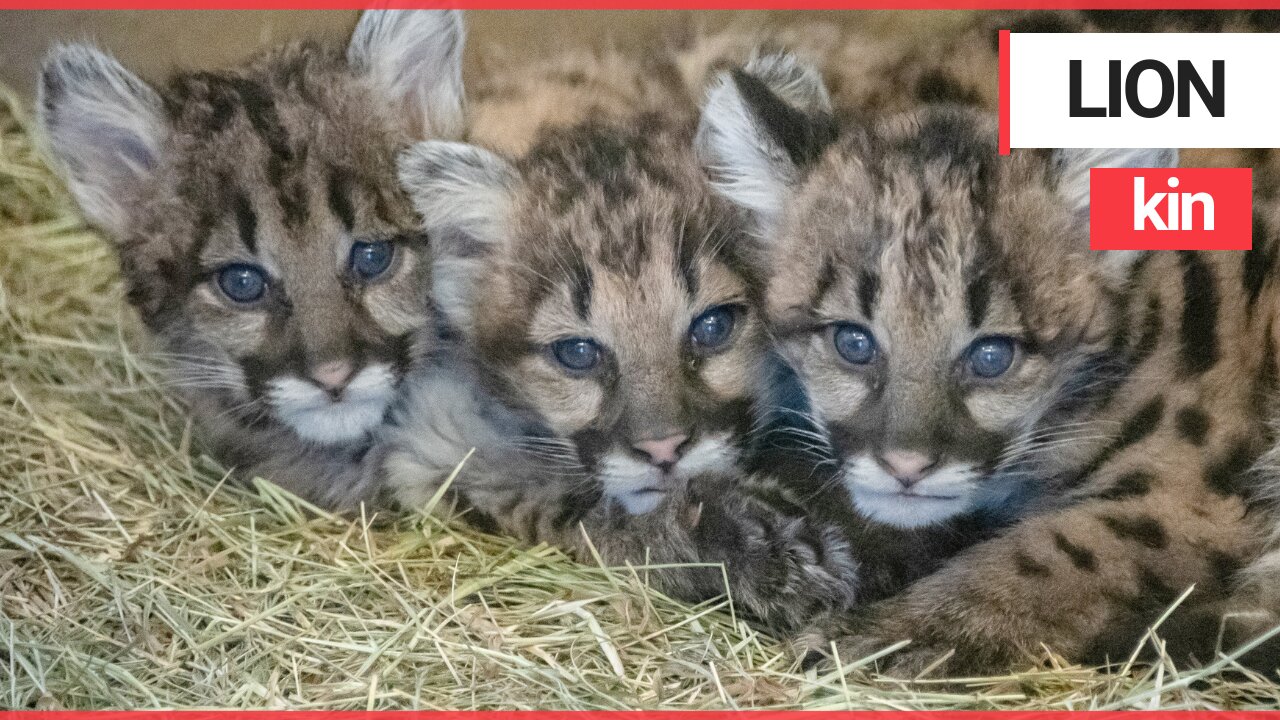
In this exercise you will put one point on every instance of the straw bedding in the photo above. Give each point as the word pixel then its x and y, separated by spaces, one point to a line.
pixel 132 575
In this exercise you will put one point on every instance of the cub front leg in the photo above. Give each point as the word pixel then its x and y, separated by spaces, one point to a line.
pixel 781 566
pixel 1083 582
pixel 784 564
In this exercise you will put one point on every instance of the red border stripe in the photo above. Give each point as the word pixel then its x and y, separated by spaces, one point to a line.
pixel 640 4
pixel 1004 92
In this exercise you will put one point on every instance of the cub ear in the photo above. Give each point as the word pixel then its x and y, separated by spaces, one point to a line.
pixel 761 126
pixel 463 194
pixel 104 129
pixel 414 60
pixel 1071 167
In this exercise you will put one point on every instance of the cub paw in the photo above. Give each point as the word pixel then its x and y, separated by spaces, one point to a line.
pixel 801 570
pixel 853 640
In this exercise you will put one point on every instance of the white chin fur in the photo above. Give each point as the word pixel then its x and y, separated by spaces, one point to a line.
pixel 945 493
pixel 637 486
pixel 640 487
pixel 314 416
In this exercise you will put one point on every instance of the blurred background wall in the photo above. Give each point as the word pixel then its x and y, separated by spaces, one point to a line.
pixel 155 42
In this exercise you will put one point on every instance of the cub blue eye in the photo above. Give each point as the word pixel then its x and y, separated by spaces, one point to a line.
pixel 371 259
pixel 712 329
pixel 242 283
pixel 577 354
pixel 854 343
pixel 991 357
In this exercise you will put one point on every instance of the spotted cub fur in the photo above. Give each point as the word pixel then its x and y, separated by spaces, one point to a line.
pixel 967 352
pixel 274 181
pixel 610 309
pixel 261 232
pixel 605 242
pixel 1250 616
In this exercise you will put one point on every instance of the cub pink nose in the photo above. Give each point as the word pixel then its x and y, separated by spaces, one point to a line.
pixel 906 466
pixel 332 376
pixel 663 453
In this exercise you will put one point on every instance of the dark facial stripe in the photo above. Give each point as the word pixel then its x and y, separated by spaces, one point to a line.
pixel 868 293
pixel 259 107
pixel 1198 337
pixel 340 197
pixel 591 445
pixel 1142 529
pixel 291 191
pixel 826 278
pixel 581 290
pixel 246 223
pixel 688 273
pixel 202 232
pixel 978 297
pixel 1193 424
pixel 1083 558
pixel 229 96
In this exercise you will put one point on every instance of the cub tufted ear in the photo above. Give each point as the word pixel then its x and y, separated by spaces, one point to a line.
pixel 761 126
pixel 463 193
pixel 414 61
pixel 104 128
pixel 1071 167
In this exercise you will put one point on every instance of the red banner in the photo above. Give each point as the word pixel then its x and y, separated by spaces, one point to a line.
pixel 1171 209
